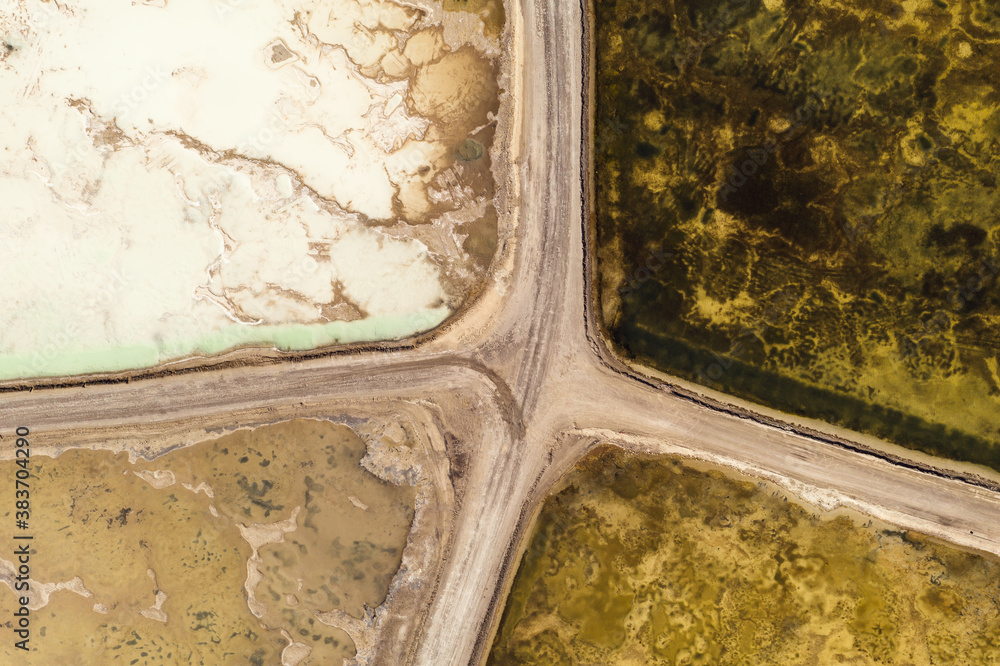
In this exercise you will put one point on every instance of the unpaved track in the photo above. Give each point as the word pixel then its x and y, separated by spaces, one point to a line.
pixel 520 380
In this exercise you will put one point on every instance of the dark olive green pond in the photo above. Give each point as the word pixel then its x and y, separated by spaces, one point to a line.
pixel 649 561
pixel 797 204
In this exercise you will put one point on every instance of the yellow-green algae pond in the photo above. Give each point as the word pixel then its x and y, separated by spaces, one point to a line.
pixel 158 575
pixel 797 204
pixel 642 560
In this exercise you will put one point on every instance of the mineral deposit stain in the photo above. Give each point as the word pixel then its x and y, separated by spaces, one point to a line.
pixel 649 561
pixel 490 11
pixel 797 204
pixel 171 525
pixel 344 212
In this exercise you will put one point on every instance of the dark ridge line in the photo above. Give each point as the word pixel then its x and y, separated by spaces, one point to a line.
pixel 513 545
pixel 479 653
pixel 746 414
pixel 231 359
pixel 833 440
pixel 506 402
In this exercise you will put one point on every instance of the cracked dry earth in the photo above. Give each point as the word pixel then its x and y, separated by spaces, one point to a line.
pixel 189 177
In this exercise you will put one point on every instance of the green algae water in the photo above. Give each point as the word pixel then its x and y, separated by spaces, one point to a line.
pixel 648 561
pixel 62 358
pixel 797 205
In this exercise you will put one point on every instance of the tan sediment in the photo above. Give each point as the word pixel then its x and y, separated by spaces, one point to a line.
pixel 131 526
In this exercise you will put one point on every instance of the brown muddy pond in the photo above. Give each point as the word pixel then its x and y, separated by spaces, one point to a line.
pixel 148 563
pixel 639 560
pixel 797 205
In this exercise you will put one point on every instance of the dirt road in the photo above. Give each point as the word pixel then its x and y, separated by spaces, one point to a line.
pixel 521 383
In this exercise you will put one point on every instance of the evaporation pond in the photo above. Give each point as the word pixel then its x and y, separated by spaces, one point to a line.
pixel 639 561
pixel 149 561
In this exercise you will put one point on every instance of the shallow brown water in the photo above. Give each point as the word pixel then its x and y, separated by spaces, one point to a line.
pixel 95 519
